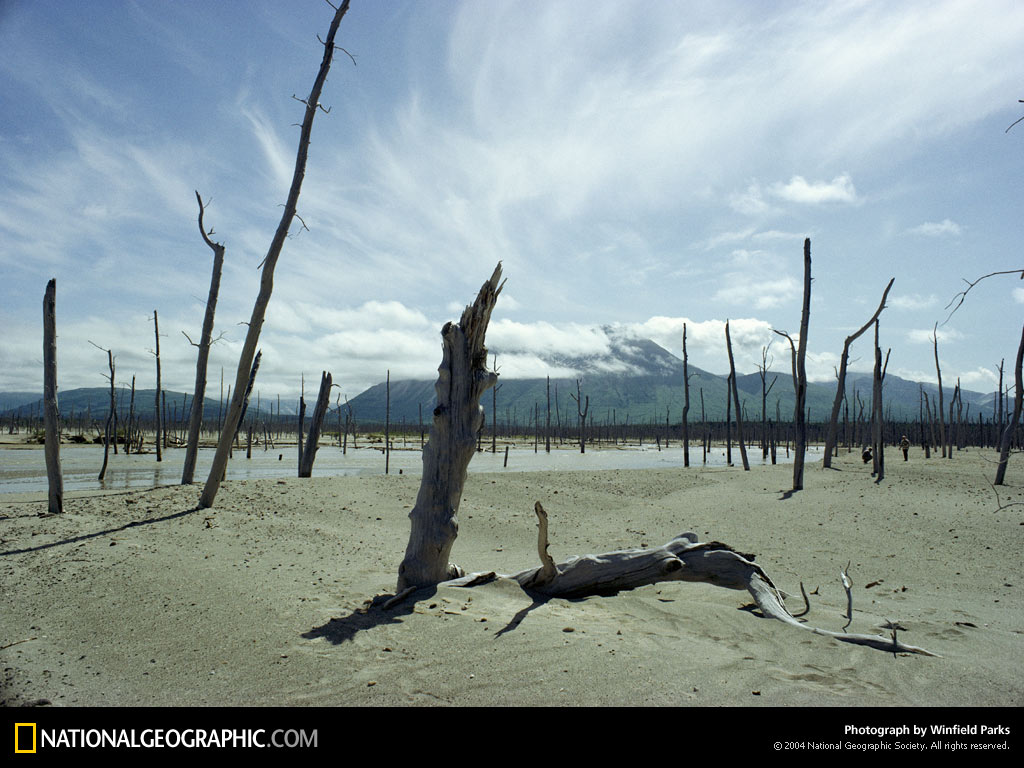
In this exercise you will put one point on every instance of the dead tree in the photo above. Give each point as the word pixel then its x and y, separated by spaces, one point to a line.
pixel 684 558
pixel 462 380
pixel 877 436
pixel 248 388
pixel 1011 427
pixel 51 413
pixel 494 410
pixel 831 436
pixel 312 103
pixel 686 403
pixel 110 416
pixel 156 354
pixel 736 401
pixel 205 341
pixel 800 425
pixel 581 415
pixel 765 391
pixel 319 412
pixel 547 425
pixel 938 373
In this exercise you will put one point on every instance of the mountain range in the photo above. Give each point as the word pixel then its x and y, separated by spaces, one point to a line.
pixel 633 381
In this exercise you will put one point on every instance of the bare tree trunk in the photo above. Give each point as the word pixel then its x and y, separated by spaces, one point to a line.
pixel 462 380
pixel 801 373
pixel 833 423
pixel 547 425
pixel 876 413
pixel 51 413
pixel 1005 441
pixel 259 310
pixel 387 424
pixel 736 401
pixel 110 416
pixel 202 358
pixel 302 424
pixel 319 412
pixel 938 373
pixel 581 414
pixel 686 403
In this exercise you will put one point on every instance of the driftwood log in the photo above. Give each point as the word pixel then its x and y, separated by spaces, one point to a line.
pixel 462 379
pixel 684 558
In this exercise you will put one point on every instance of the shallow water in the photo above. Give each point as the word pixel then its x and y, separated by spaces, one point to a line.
pixel 23 470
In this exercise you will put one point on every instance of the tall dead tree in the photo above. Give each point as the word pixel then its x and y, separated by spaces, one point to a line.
pixel 319 412
pixel 686 403
pixel 547 424
pixel 800 426
pixel 1018 400
pixel 202 358
pixel 259 310
pixel 832 435
pixel 111 423
pixel 462 380
pixel 877 424
pixel 581 415
pixel 766 390
pixel 156 353
pixel 51 413
pixel 736 400
pixel 938 373
pixel 387 423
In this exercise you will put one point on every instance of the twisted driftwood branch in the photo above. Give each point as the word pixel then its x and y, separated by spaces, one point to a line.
pixel 683 558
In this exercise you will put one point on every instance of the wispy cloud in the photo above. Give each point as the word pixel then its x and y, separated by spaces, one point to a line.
pixel 913 301
pixel 925 335
pixel 936 229
pixel 799 190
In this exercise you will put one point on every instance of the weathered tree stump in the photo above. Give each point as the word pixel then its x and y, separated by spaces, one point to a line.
pixel 462 379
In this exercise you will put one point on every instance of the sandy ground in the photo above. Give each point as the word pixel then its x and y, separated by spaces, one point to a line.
pixel 135 598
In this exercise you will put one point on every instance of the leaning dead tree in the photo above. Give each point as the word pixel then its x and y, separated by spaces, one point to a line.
pixel 259 309
pixel 205 341
pixel 319 412
pixel 1011 427
pixel 832 435
pixel 462 380
pixel 51 414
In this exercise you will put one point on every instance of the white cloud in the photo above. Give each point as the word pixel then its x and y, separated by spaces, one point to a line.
pixel 924 335
pixel 741 289
pixel 751 201
pixel 799 190
pixel 936 228
pixel 912 302
pixel 1018 295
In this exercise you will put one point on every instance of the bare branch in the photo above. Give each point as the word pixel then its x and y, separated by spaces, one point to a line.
pixel 1019 119
pixel 959 298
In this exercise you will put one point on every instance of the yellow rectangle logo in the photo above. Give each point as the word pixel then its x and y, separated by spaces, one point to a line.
pixel 19 728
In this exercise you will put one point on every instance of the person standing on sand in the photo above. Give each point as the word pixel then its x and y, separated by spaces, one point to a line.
pixel 905 445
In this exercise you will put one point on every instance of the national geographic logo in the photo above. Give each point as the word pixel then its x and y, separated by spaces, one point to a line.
pixel 25 738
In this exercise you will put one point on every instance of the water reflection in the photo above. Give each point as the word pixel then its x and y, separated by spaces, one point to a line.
pixel 24 470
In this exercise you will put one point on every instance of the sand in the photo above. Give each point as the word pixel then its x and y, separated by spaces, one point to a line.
pixel 136 599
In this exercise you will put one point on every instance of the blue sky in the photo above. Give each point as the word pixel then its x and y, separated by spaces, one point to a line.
pixel 632 164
